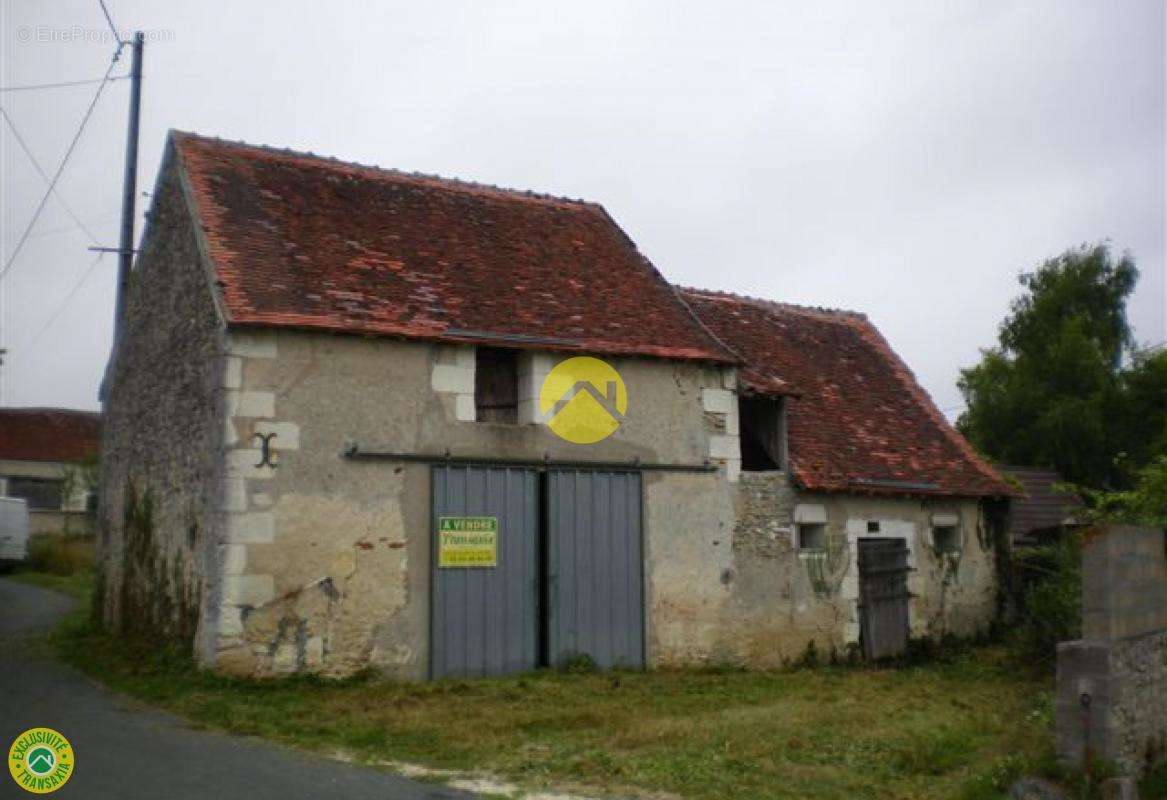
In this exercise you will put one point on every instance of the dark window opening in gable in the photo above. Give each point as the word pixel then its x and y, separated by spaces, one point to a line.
pixel 946 538
pixel 762 425
pixel 812 537
pixel 496 385
pixel 39 493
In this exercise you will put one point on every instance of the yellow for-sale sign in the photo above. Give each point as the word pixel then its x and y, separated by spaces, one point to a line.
pixel 467 541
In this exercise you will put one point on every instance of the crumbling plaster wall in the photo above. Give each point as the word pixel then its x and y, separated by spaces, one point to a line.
pixel 325 560
pixel 728 585
pixel 161 437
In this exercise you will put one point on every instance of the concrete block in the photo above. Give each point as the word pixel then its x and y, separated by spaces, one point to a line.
pixel 234 559
pixel 230 433
pixel 286 659
pixel 230 621
pixel 256 404
pixel 230 402
pixel 732 425
pixel 452 378
pixel 533 362
pixel 234 494
pixel 233 373
pixel 851 632
pixel 242 464
pixel 461 355
pixel 529 411
pixel 733 469
pixel 464 408
pixel 725 447
pixel 248 590
pixel 257 527
pixel 1083 667
pixel 252 344
pixel 314 651
pixel 729 378
pixel 533 370
pixel 465 356
pixel 718 401
pixel 810 513
pixel 849 590
pixel 287 434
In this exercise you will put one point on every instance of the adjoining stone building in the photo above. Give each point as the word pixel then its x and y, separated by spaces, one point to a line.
pixel 48 457
pixel 331 375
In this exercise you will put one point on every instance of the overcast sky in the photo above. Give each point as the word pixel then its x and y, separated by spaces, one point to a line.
pixel 904 159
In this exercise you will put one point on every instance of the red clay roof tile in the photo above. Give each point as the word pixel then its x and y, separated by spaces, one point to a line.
pixel 303 241
pixel 858 420
pixel 48 434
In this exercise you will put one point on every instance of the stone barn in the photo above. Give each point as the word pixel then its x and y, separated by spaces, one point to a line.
pixel 364 418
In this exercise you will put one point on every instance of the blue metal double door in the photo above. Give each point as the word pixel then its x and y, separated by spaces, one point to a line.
pixel 567 583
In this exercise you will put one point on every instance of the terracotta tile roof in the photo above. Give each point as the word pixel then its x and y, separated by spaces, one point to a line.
pixel 48 434
pixel 1042 507
pixel 858 421
pixel 303 241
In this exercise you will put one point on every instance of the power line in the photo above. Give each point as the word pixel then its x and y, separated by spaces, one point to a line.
pixel 117 37
pixel 65 303
pixel 28 87
pixel 71 228
pixel 60 169
pixel 44 175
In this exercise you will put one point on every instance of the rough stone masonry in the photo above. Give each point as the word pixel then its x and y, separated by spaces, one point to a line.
pixel 1112 683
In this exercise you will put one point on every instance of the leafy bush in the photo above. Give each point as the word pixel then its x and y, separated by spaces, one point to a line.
pixel 1145 504
pixel 1049 581
pixel 1154 785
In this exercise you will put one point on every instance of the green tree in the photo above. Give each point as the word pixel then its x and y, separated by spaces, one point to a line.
pixel 1145 504
pixel 1138 415
pixel 1054 391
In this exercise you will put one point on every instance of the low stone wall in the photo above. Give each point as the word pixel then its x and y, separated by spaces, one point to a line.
pixel 60 523
pixel 1112 683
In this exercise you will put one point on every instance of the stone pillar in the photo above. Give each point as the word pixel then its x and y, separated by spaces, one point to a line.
pixel 1112 683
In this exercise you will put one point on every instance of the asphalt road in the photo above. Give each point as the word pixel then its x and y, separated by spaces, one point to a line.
pixel 126 751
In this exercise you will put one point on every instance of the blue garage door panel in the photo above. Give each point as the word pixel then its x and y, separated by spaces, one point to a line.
pixel 484 620
pixel 595 568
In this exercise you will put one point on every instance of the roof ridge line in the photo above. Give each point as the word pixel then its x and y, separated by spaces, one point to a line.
pixel 717 294
pixel 445 181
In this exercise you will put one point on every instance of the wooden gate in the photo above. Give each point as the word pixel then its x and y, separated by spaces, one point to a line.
pixel 883 597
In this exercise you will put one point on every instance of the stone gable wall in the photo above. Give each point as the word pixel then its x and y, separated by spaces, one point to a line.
pixel 162 436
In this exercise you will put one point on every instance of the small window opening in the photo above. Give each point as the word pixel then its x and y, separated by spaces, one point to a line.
pixel 873 526
pixel 762 426
pixel 39 493
pixel 812 537
pixel 946 538
pixel 496 385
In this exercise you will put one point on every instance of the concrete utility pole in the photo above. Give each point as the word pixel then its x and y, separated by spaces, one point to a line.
pixel 129 186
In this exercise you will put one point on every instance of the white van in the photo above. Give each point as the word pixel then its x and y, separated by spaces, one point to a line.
pixel 13 532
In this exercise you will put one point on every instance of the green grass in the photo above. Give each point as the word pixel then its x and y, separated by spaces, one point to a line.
pixel 60 555
pixel 77 585
pixel 964 727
